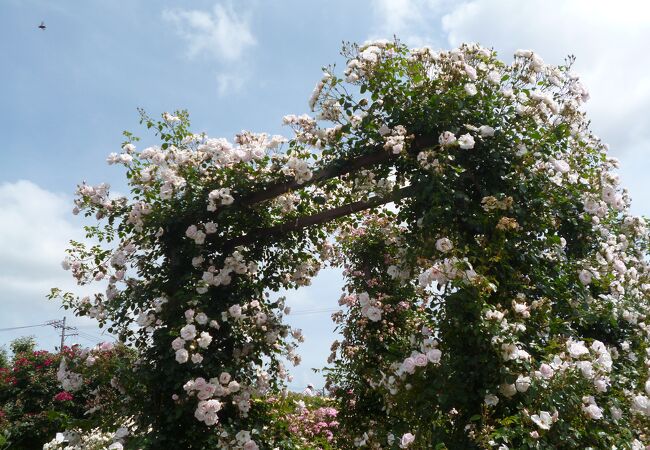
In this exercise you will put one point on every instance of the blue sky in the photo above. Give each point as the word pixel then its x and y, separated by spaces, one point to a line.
pixel 68 92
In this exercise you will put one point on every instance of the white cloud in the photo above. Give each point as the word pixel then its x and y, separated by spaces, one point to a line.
pixel 413 21
pixel 34 232
pixel 222 34
pixel 230 82
pixel 608 40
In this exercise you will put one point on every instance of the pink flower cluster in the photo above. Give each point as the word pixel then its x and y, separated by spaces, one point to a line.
pixel 310 424
pixel 63 396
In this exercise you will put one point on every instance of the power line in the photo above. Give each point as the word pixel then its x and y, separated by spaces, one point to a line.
pixel 90 338
pixel 95 337
pixel 26 326
pixel 61 324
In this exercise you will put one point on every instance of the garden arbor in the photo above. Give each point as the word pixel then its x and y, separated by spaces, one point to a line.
pixel 500 300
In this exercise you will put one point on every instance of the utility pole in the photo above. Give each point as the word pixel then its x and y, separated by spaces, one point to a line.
pixel 61 324
pixel 62 333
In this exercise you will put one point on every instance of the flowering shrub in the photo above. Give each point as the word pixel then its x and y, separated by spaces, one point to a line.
pixel 501 302
pixel 31 411
pixel 297 422
pixel 40 396
pixel 84 440
pixel 313 422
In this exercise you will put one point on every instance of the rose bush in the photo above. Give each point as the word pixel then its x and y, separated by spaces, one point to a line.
pixel 40 396
pixel 30 410
pixel 497 287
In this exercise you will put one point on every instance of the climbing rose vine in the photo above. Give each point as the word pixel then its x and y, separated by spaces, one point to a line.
pixel 496 285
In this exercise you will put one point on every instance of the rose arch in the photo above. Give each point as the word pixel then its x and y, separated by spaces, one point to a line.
pixel 497 288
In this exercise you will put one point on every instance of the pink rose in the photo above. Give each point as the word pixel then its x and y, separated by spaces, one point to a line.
pixel 407 440
pixel 421 360
pixel 434 355
pixel 408 365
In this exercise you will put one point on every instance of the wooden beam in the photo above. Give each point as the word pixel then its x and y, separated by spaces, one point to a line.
pixel 316 219
pixel 335 169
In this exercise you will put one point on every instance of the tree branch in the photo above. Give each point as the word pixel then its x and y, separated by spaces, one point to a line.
pixel 316 219
pixel 335 169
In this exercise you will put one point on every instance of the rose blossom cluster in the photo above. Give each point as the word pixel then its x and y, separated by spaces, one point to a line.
pixel 447 270
pixel 480 234
pixel 309 423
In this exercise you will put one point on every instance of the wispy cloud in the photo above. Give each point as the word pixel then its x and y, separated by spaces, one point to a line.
pixel 415 22
pixel 230 81
pixel 222 35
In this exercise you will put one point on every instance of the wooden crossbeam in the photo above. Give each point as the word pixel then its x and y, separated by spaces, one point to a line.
pixel 329 215
pixel 335 169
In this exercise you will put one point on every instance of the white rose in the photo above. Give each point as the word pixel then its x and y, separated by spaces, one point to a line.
pixel 585 277
pixel 593 411
pixel 494 77
pixel 543 420
pixel 363 298
pixel 444 245
pixel 617 413
pixel 447 138
pixel 182 355
pixel 188 332
pixel 235 311
pixel 470 89
pixel 577 349
pixel 434 355
pixel 373 313
pixel 205 339
pixel 546 371
pixel 486 131
pixel 600 384
pixel 641 403
pixel 619 266
pixel 201 318
pixel 191 231
pixel 470 71
pixel 421 360
pixel 491 400
pixel 408 365
pixel 561 166
pixel 466 141
pixel 522 384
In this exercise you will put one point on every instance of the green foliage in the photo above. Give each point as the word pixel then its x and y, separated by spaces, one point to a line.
pixel 34 406
pixel 25 344
pixel 501 301
pixel 27 390
pixel 4 358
